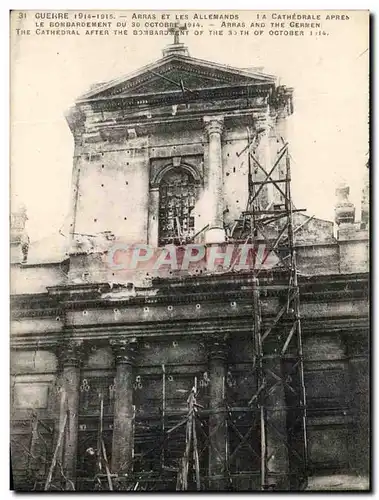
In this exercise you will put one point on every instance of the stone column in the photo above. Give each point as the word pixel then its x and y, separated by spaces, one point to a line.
pixel 217 355
pixel 152 238
pixel 70 382
pixel 74 197
pixel 284 109
pixel 123 424
pixel 262 148
pixel 214 197
pixel 281 134
pixel 281 123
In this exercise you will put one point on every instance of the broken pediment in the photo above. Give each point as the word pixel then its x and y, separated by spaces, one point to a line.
pixel 177 73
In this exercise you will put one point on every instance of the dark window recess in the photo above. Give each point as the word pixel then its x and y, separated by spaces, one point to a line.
pixel 177 197
pixel 91 391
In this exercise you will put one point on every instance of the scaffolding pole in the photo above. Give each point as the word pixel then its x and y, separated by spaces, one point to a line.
pixel 191 441
pixel 56 451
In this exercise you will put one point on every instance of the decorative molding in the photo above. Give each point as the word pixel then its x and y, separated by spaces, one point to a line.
pixel 132 134
pixel 176 162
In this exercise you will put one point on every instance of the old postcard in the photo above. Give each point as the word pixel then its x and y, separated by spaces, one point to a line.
pixel 189 250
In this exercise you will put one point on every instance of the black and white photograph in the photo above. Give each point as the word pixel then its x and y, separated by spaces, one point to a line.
pixel 189 251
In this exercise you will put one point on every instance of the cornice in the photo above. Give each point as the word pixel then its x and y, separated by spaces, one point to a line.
pixel 213 290
pixel 58 314
pixel 146 124
pixel 234 327
pixel 177 97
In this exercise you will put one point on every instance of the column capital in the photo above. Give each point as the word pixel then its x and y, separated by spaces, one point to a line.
pixel 124 350
pixel 217 346
pixel 71 352
pixel 213 124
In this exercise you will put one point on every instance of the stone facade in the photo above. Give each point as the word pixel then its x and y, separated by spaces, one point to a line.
pixel 82 328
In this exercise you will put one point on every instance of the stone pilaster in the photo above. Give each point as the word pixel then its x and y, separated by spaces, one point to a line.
pixel 123 424
pixel 74 198
pixel 71 356
pixel 281 123
pixel 152 238
pixel 214 195
pixel 217 368
pixel 359 400
pixel 264 150
pixel 284 108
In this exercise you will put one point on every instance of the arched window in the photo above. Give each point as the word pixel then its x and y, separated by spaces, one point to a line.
pixel 177 197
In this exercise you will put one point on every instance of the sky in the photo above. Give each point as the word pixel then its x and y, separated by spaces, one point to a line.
pixel 328 132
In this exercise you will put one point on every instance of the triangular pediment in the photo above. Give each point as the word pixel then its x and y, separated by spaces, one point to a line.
pixel 177 73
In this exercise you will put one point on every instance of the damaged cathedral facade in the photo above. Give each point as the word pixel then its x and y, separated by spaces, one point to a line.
pixel 126 378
